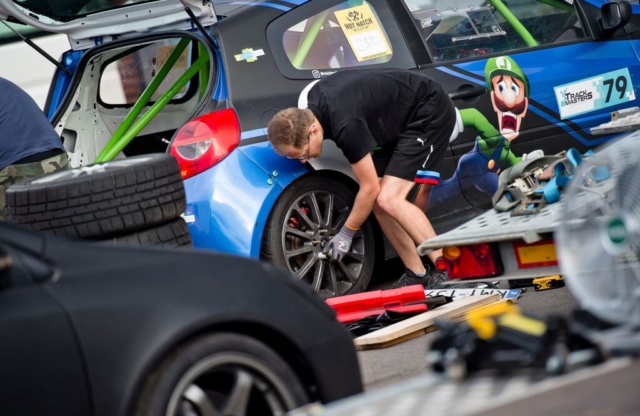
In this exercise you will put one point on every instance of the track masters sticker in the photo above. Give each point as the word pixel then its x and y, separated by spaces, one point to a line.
pixel 364 33
pixel 594 93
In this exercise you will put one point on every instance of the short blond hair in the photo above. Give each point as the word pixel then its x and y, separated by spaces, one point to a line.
pixel 289 127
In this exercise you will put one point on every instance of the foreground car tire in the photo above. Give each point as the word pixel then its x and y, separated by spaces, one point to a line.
pixel 309 212
pixel 102 200
pixel 222 374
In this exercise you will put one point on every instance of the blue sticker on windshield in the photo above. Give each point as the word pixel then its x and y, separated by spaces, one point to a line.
pixel 594 93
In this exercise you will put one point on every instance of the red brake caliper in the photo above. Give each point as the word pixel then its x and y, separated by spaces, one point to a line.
pixel 294 223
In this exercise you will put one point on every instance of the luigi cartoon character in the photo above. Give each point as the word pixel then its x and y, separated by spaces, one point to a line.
pixel 509 90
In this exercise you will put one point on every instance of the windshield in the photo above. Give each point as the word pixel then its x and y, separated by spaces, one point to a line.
pixel 66 10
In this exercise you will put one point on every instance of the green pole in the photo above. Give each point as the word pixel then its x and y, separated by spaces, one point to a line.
pixel 144 98
pixel 514 22
pixel 204 72
pixel 155 108
pixel 308 37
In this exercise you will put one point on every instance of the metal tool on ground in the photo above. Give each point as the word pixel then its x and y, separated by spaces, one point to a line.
pixel 546 283
pixel 409 299
pixel 501 337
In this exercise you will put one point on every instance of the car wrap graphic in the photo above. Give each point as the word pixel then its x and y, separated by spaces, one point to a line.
pixel 513 93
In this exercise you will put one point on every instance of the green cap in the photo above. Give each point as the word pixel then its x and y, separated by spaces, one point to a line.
pixel 507 66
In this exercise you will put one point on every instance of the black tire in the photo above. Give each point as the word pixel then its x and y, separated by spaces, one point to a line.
pixel 292 242
pixel 102 200
pixel 209 369
pixel 174 234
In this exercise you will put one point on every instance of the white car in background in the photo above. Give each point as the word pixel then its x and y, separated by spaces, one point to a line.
pixel 24 66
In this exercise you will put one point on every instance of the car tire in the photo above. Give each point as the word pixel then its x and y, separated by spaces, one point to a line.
pixel 226 374
pixel 295 229
pixel 102 200
pixel 174 234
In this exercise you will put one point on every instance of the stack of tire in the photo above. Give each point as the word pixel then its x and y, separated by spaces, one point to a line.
pixel 136 201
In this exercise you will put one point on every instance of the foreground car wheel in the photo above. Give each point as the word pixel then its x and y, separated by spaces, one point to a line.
pixel 309 213
pixel 223 374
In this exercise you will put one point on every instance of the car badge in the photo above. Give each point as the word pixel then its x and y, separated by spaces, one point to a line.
pixel 249 55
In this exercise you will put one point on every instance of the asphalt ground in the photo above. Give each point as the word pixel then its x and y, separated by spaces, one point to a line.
pixel 406 360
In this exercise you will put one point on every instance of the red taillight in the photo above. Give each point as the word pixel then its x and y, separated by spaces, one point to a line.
pixel 205 141
pixel 478 260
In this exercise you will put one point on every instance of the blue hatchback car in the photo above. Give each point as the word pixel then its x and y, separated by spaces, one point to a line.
pixel 146 76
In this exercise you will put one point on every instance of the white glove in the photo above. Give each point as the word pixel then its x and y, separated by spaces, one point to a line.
pixel 533 155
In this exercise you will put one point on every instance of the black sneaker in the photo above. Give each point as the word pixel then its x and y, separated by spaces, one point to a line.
pixel 429 280
pixel 409 278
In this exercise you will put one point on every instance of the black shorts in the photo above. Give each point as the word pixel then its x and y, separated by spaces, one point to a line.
pixel 418 153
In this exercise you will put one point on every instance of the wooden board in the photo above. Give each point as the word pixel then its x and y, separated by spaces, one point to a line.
pixel 421 324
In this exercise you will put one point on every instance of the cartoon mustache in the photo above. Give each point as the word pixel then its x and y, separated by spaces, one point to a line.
pixel 517 110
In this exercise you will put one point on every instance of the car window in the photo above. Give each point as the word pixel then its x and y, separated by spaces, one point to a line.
pixel 124 79
pixel 346 35
pixel 459 29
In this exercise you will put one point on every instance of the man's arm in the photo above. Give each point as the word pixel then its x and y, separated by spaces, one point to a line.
pixel 365 173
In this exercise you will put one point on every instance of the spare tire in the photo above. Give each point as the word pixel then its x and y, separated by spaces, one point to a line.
pixel 102 200
pixel 174 234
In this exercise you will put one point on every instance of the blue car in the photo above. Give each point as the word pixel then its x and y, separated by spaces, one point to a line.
pixel 201 80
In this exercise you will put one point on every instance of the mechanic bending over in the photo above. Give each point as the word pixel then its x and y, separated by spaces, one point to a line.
pixel 394 127
pixel 29 146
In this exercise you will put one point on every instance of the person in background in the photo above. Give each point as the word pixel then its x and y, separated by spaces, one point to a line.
pixel 29 146
pixel 394 127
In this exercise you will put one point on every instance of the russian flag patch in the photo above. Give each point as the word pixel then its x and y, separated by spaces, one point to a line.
pixel 427 176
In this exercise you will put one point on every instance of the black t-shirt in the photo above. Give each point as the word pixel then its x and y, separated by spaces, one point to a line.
pixel 366 108
pixel 24 129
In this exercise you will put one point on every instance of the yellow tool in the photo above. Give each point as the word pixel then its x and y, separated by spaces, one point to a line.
pixel 550 282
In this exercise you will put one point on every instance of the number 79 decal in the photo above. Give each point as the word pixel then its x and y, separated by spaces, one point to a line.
pixel 594 93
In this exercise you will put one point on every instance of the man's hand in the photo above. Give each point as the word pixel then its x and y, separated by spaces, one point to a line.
pixel 341 243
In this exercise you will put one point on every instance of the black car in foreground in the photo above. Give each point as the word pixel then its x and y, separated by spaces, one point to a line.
pixel 87 329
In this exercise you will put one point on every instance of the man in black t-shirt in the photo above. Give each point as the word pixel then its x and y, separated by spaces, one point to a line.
pixel 394 127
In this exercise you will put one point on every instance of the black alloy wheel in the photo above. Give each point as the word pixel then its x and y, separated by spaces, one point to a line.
pixel 307 216
pixel 222 374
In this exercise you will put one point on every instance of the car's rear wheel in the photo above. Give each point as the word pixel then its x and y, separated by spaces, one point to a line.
pixel 307 215
pixel 222 374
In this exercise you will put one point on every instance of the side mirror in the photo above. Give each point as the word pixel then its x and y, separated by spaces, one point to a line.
pixel 5 267
pixel 615 15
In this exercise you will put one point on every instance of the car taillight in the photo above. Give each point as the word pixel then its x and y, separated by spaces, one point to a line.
pixel 205 141
pixel 477 260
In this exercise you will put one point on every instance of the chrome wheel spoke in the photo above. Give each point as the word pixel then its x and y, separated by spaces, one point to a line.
pixel 305 218
pixel 200 401
pixel 333 281
pixel 340 220
pixel 239 398
pixel 346 272
pixel 301 250
pixel 298 233
pixel 318 275
pixel 328 217
pixel 316 209
pixel 308 264
pixel 356 256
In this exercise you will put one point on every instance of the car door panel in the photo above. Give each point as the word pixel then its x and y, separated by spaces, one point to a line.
pixel 545 71
pixel 42 369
